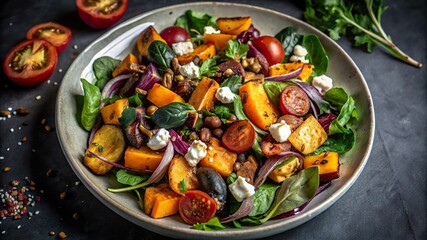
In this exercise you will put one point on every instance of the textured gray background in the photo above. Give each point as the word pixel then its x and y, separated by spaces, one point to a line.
pixel 388 201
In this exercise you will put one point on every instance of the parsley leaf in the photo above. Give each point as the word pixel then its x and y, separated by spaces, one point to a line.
pixel 208 68
pixel 236 50
pixel 183 185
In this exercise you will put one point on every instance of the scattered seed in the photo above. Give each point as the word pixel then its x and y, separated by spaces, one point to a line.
pixel 5 113
pixel 77 183
pixel 51 233
pixel 62 195
pixel 1 157
pixel 60 70
pixel 14 182
pixel 47 128
pixel 7 169
pixel 37 212
pixel 19 143
pixel 49 173
pixel 75 46
pixel 38 97
pixel 55 83
pixel 33 150
pixel 3 232
pixel 76 216
pixel 22 111
pixel 43 121
pixel 62 235
pixel 18 227
pixel 24 139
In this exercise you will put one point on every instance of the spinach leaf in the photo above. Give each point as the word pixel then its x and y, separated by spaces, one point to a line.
pixel 274 89
pixel 172 115
pixel 112 99
pixel 234 82
pixel 208 68
pixel 128 117
pixel 348 110
pixel 211 225
pixel 91 104
pixel 161 55
pixel 316 53
pixel 127 178
pixel 236 50
pixel 294 192
pixel 289 38
pixel 340 143
pixel 103 68
pixel 263 198
pixel 136 99
pixel 336 97
pixel 195 21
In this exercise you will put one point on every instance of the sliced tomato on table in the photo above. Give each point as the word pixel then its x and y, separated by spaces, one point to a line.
pixel 239 136
pixel 196 207
pixel 31 62
pixel 101 13
pixel 57 34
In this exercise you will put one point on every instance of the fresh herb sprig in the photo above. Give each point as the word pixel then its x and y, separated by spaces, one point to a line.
pixel 361 17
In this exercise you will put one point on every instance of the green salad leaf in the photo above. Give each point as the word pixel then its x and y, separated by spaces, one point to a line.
pixel 91 104
pixel 289 39
pixel 103 68
pixel 211 225
pixel 172 115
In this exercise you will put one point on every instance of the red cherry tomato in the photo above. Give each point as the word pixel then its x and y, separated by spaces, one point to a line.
pixel 58 35
pixel 196 207
pixel 30 62
pixel 101 13
pixel 271 48
pixel 293 100
pixel 239 136
pixel 174 34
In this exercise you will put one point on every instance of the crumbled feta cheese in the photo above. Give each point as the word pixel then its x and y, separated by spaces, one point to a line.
pixel 295 58
pixel 159 140
pixel 196 152
pixel 189 70
pixel 322 83
pixel 280 131
pixel 241 189
pixel 182 48
pixel 300 51
pixel 211 30
pixel 224 95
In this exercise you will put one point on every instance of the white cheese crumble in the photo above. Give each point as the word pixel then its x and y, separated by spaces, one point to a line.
pixel 241 189
pixel 182 48
pixel 196 152
pixel 280 131
pixel 322 83
pixel 189 70
pixel 159 140
pixel 224 95
pixel 299 54
pixel 211 30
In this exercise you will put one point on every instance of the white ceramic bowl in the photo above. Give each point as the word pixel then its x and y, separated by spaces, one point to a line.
pixel 73 138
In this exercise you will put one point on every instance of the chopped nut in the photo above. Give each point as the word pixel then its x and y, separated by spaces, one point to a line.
pixel 7 169
pixel 24 139
pixel 76 216
pixel 175 65
pixel 140 91
pixel 145 131
pixel 47 128
pixel 151 110
pixel 62 235
pixel 62 195
pixel 22 111
pixel 51 233
pixel 5 113
pixel 228 72
pixel 167 79
pixel 193 136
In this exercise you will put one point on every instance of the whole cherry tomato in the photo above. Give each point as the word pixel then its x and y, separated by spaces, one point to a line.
pixel 239 136
pixel 196 207
pixel 271 48
pixel 174 34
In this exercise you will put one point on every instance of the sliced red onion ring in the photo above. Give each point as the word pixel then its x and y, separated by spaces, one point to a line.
pixel 314 95
pixel 243 211
pixel 119 165
pixel 94 129
pixel 148 78
pixel 285 77
pixel 271 163
pixel 164 164
pixel 113 86
pixel 178 143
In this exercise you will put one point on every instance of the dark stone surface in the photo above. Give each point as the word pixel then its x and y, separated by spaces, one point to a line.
pixel 388 201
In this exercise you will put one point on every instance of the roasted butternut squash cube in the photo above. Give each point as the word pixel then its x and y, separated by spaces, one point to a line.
pixel 308 136
pixel 127 65
pixel 160 202
pixel 285 68
pixel 111 113
pixel 328 163
pixel 203 96
pixel 219 158
pixel 285 170
pixel 161 96
pixel 203 51
pixel 143 158
pixel 179 169
pixel 145 38
pixel 234 25
pixel 219 40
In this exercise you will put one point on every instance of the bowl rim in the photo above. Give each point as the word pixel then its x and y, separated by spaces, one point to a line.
pixel 248 232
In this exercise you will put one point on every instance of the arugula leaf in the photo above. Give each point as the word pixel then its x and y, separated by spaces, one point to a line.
pixel 211 225
pixel 348 110
pixel 208 68
pixel 360 20
pixel 316 54
pixel 172 115
pixel 236 50
pixel 234 82
pixel 128 117
pixel 103 68
pixel 183 185
pixel 289 38
pixel 127 178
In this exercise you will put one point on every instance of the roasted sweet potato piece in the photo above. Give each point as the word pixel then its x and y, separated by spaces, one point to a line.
pixel 143 158
pixel 284 68
pixel 179 170
pixel 145 38
pixel 109 143
pixel 328 163
pixel 219 158
pixel 203 51
pixel 204 95
pixel 308 136
pixel 161 96
pixel 219 40
pixel 111 113
pixel 160 201
pixel 234 25
pixel 128 65
pixel 285 170
pixel 257 106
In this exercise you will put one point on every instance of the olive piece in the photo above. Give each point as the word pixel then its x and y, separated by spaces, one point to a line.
pixel 213 184
pixel 212 122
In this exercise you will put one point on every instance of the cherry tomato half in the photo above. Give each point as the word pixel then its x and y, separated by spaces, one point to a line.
pixel 239 136
pixel 101 13
pixel 196 207
pixel 293 100
pixel 271 48
pixel 59 36
pixel 174 34
pixel 30 62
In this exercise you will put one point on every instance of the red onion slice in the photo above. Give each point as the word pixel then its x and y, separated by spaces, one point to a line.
pixel 148 78
pixel 315 96
pixel 178 143
pixel 113 86
pixel 94 129
pixel 253 52
pixel 164 164
pixel 243 211
pixel 285 77
pixel 119 165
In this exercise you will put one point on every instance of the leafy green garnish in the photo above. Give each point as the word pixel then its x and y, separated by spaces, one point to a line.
pixel 211 225
pixel 128 117
pixel 136 99
pixel 236 50
pixel 316 54
pixel 91 105
pixel 183 185
pixel 194 22
pixel 161 55
pixel 103 68
pixel 208 68
pixel 347 110
pixel 223 112
pixel 234 82
pixel 112 99
pixel 340 143
pixel 172 115
pixel 127 178
pixel 359 19
pixel 289 38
